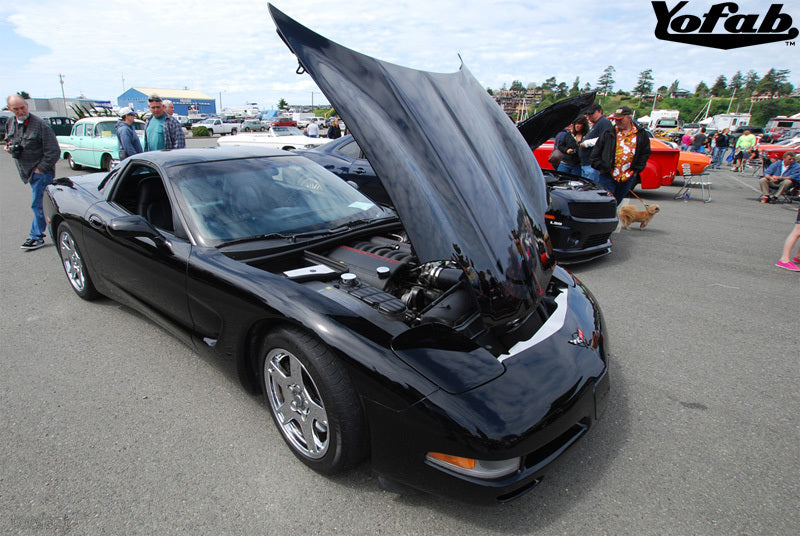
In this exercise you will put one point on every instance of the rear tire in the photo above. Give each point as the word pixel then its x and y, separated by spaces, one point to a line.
pixel 72 261
pixel 105 162
pixel 312 401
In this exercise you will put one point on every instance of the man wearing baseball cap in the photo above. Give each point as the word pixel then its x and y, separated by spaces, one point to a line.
pixel 129 143
pixel 600 124
pixel 620 154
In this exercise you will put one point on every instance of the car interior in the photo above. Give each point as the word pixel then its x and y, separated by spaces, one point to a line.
pixel 141 191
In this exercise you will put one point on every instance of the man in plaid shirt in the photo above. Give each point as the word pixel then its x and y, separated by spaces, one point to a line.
pixel 162 131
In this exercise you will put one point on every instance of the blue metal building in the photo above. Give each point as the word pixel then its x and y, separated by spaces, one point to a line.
pixel 186 101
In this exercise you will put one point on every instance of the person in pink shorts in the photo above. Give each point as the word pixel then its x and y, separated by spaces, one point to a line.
pixel 794 263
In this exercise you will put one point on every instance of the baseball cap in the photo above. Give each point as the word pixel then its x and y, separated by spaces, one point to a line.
pixel 622 111
pixel 127 110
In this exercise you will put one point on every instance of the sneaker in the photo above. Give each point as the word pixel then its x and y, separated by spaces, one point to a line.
pixel 796 259
pixel 32 243
pixel 788 266
pixel 764 199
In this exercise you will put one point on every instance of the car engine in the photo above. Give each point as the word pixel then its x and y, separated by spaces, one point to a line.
pixel 384 273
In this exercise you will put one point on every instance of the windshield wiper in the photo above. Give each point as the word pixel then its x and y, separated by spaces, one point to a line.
pixel 292 238
pixel 270 236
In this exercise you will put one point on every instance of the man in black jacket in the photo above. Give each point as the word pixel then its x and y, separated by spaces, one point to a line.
pixel 599 125
pixel 621 154
pixel 34 146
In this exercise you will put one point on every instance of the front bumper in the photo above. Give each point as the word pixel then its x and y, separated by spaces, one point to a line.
pixel 552 393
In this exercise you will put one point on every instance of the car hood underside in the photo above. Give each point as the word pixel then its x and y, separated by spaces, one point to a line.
pixel 463 180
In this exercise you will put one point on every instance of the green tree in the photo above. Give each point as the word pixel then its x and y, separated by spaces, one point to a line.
pixel 550 84
pixel 576 87
pixel 720 87
pixel 562 90
pixel 701 90
pixel 24 94
pixel 773 81
pixel 606 81
pixel 673 87
pixel 737 82
pixel 282 104
pixel 751 81
pixel 644 86
pixel 516 85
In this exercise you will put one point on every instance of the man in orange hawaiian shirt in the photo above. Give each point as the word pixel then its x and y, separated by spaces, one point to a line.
pixel 621 154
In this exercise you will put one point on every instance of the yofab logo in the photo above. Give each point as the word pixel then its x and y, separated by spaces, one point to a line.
pixel 723 26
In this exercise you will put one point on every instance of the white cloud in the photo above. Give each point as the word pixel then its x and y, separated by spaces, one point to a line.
pixel 231 48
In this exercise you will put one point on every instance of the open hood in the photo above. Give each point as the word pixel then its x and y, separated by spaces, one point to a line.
pixel 546 124
pixel 461 177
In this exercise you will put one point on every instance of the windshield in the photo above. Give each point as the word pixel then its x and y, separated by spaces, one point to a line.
pixel 287 131
pixel 253 197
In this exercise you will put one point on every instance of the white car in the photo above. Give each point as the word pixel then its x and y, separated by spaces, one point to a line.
pixel 285 138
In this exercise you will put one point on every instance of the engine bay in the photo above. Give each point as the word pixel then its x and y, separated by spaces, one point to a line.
pixel 383 272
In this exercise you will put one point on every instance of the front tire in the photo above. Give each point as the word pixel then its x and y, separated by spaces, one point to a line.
pixel 105 162
pixel 312 401
pixel 72 164
pixel 74 267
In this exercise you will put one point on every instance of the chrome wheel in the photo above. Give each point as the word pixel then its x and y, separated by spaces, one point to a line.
pixel 73 265
pixel 296 403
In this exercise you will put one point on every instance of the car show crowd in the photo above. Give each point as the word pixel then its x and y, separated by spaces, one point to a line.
pixel 608 149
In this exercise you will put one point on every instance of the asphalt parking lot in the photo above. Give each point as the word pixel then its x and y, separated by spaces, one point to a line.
pixel 111 426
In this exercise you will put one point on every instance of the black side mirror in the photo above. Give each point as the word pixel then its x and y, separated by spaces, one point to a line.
pixel 135 226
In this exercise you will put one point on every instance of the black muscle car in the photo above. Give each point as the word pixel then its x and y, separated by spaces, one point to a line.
pixel 440 341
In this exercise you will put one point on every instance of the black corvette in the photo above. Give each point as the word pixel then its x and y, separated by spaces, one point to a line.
pixel 440 341
pixel 580 217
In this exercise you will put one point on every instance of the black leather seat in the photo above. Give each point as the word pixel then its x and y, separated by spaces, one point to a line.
pixel 153 204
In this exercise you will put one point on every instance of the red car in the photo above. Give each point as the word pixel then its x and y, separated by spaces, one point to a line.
pixel 775 151
pixel 660 170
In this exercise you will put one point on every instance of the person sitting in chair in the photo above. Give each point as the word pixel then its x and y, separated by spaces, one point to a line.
pixel 781 174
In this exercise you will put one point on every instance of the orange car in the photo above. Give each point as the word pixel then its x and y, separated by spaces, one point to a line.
pixel 697 161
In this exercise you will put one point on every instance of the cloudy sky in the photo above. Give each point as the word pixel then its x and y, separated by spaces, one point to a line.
pixel 230 51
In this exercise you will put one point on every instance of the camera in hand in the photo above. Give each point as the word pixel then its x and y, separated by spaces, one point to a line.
pixel 16 150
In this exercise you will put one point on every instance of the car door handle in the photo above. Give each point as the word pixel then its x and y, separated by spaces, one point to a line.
pixel 96 222
pixel 360 171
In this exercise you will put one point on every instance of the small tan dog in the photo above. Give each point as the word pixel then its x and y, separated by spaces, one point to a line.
pixel 628 215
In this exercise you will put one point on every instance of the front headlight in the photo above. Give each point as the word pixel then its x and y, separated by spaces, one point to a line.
pixel 485 469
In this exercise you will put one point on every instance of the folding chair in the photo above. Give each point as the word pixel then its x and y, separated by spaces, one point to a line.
pixel 702 179
pixel 791 194
pixel 756 165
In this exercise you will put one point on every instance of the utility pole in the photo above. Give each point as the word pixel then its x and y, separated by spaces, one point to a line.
pixel 731 101
pixel 63 98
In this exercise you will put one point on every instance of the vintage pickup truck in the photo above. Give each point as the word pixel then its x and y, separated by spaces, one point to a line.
pixel 218 126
